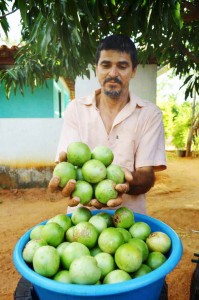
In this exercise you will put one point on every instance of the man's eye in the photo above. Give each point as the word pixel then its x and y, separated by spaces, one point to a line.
pixel 106 66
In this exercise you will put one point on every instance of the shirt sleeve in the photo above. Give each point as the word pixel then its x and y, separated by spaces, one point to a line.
pixel 69 132
pixel 151 147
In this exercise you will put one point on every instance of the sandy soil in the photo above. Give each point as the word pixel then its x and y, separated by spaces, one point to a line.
pixel 174 200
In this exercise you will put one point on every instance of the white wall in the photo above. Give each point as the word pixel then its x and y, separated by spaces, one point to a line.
pixel 143 85
pixel 28 142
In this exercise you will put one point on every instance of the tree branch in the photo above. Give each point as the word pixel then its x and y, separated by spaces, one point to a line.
pixel 4 16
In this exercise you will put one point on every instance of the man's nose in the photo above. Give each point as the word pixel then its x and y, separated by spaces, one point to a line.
pixel 114 72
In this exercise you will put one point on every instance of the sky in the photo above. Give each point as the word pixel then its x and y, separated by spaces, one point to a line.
pixel 15 29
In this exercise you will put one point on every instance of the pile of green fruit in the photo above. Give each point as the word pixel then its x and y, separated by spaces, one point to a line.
pixel 95 174
pixel 100 248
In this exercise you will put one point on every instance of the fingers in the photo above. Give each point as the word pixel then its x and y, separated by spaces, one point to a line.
pixel 114 202
pixel 62 156
pixel 54 183
pixel 96 203
pixel 69 188
pixel 73 201
pixel 128 176
pixel 122 187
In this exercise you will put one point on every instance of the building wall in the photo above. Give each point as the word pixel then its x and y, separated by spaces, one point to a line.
pixel 32 105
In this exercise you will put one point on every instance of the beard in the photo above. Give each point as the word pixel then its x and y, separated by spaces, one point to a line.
pixel 111 92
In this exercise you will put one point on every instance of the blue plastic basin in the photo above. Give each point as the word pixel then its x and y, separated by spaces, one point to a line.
pixel 147 287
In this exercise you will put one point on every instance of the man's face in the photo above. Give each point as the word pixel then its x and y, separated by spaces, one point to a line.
pixel 114 71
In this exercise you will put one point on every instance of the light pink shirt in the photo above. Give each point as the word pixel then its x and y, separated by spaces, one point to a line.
pixel 136 137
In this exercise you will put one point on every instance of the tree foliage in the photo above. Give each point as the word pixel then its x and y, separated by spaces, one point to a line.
pixel 61 36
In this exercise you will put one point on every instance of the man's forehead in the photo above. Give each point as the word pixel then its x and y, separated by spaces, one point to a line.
pixel 110 55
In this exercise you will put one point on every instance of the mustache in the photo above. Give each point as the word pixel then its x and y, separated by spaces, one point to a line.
pixel 114 79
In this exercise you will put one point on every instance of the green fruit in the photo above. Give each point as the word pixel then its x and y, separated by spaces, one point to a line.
pixel 85 233
pixel 123 217
pixel 36 232
pixel 84 270
pixel 155 260
pixel 98 222
pixel 30 249
pixel 116 276
pixel 140 230
pixel 79 174
pixel 84 191
pixel 95 250
pixel 63 220
pixel 46 261
pixel 126 234
pixel 71 252
pixel 115 173
pixel 78 153
pixel 62 276
pixel 53 234
pixel 141 245
pixel 108 218
pixel 143 270
pixel 61 247
pixel 65 171
pixel 94 171
pixel 128 258
pixel 104 154
pixel 159 241
pixel 105 191
pixel 69 234
pixel 110 239
pixel 105 262
pixel 81 214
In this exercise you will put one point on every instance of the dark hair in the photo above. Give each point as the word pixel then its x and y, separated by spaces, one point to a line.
pixel 119 43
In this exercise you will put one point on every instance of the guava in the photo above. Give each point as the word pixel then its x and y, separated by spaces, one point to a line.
pixel 53 234
pixel 46 261
pixel 98 222
pixel 126 234
pixel 79 174
pixel 116 276
pixel 30 249
pixel 104 154
pixel 71 252
pixel 115 173
pixel 61 247
pixel 105 191
pixel 36 232
pixel 140 230
pixel 94 171
pixel 143 270
pixel 123 217
pixel 84 270
pixel 84 191
pixel 80 214
pixel 62 276
pixel 78 153
pixel 85 233
pixel 107 217
pixel 105 262
pixel 141 245
pixel 63 220
pixel 110 239
pixel 155 259
pixel 159 241
pixel 128 258
pixel 65 171
pixel 95 250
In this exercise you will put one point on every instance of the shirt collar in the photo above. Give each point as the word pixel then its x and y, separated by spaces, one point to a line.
pixel 134 100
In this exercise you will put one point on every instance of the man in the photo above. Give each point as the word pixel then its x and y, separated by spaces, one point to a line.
pixel 113 117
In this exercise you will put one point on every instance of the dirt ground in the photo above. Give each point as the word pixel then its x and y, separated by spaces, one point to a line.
pixel 174 200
